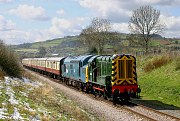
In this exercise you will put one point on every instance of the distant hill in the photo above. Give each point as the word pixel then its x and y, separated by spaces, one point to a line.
pixel 70 45
pixel 157 36
pixel 47 43
pixel 59 45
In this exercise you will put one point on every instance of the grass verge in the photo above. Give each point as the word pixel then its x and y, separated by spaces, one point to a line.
pixel 161 83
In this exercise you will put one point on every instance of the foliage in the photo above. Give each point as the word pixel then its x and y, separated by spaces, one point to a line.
pixel 42 52
pixel 96 34
pixel 176 42
pixel 157 62
pixel 135 40
pixel 25 45
pixel 9 62
pixel 93 50
pixel 143 24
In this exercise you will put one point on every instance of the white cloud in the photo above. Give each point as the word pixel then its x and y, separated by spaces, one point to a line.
pixel 59 28
pixel 39 35
pixel 60 12
pixel 113 10
pixel 120 27
pixel 6 25
pixel 172 25
pixel 172 22
pixel 14 36
pixel 30 12
pixel 64 27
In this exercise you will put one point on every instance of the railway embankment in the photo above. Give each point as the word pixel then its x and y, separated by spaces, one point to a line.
pixel 158 78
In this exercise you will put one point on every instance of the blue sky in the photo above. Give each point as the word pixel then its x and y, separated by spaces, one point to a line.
pixel 26 21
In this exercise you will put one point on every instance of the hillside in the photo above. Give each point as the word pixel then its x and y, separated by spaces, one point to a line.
pixel 71 45
pixel 161 84
pixel 60 45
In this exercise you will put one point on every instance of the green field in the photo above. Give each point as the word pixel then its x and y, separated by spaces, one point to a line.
pixel 27 50
pixel 154 43
pixel 161 84
pixel 52 43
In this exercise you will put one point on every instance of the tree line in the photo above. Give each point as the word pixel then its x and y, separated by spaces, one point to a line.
pixel 143 24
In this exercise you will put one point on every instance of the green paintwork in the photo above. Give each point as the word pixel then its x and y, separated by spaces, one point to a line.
pixel 102 69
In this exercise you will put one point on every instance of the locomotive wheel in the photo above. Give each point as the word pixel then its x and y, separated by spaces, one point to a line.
pixel 115 100
pixel 99 93
pixel 95 93
pixel 115 96
pixel 105 96
pixel 79 86
pixel 133 95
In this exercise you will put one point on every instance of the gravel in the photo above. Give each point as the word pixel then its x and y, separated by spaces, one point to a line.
pixel 161 107
pixel 151 113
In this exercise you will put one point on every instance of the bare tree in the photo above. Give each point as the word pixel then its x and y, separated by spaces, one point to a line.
pixel 96 34
pixel 87 38
pixel 101 28
pixel 144 23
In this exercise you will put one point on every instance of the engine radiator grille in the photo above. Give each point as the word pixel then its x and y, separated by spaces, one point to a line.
pixel 125 69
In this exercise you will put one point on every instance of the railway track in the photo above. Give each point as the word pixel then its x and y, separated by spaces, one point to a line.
pixel 149 112
pixel 132 107
pixel 141 110
pixel 123 107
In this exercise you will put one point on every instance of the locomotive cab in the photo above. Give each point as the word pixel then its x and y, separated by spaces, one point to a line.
pixel 124 77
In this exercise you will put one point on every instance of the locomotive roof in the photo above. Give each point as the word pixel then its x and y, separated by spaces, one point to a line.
pixel 92 58
pixel 104 57
pixel 116 55
pixel 76 58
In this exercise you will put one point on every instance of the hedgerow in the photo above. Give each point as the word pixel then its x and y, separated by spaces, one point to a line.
pixel 9 62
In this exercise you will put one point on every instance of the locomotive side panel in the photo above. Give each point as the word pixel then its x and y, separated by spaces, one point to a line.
pixel 103 69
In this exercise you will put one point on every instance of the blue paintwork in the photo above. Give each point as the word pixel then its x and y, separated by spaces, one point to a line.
pixel 75 67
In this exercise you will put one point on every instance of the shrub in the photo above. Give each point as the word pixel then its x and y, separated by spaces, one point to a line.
pixel 9 62
pixel 157 62
pixel 178 63
pixel 93 50
pixel 2 74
